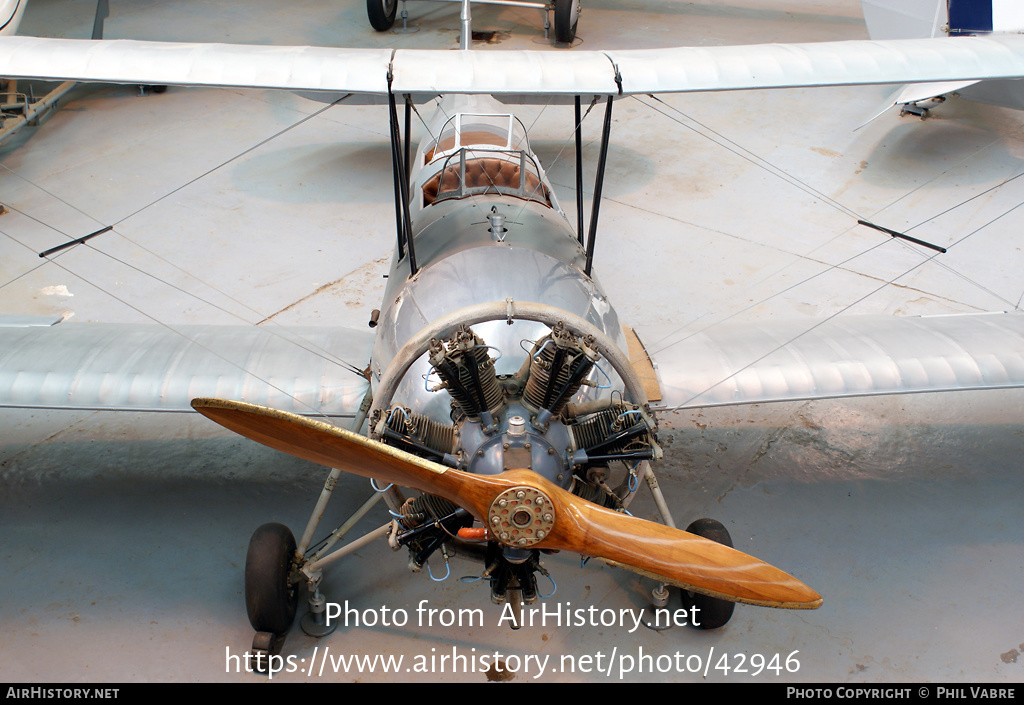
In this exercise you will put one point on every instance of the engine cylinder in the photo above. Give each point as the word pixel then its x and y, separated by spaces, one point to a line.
pixel 420 428
pixel 596 428
pixel 424 508
pixel 558 366
pixel 468 373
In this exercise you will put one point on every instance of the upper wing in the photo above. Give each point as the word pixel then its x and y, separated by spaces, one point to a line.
pixel 742 363
pixel 154 368
pixel 680 69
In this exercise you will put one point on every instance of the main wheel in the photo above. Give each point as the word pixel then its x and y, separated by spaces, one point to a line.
pixel 567 15
pixel 712 611
pixel 381 13
pixel 269 599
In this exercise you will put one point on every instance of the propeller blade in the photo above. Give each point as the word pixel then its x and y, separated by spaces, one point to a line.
pixel 520 508
pixel 677 557
pixel 335 447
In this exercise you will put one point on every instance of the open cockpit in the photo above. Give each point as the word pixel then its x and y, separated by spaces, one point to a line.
pixel 481 153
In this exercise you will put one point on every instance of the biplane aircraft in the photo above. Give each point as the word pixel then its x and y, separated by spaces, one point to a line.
pixel 501 385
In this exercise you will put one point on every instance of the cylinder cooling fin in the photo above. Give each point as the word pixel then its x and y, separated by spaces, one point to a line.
pixel 467 371
pixel 559 364
pixel 416 433
pixel 596 428
pixel 425 508
pixel 528 420
pixel 535 419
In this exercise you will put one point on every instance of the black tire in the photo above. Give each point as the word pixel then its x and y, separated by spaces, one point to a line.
pixel 566 19
pixel 712 611
pixel 382 14
pixel 269 599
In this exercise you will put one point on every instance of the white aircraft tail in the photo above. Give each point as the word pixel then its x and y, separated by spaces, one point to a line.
pixel 918 19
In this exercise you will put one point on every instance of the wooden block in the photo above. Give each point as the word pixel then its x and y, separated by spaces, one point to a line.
pixel 642 365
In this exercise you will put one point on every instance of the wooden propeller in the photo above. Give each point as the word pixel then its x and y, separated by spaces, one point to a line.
pixel 520 508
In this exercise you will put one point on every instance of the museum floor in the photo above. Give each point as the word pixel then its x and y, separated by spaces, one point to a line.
pixel 123 536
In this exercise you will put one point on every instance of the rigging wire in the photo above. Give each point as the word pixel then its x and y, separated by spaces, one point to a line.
pixel 303 343
pixel 517 146
pixel 847 307
pixel 743 153
pixel 177 332
pixel 259 144
pixel 308 345
pixel 780 173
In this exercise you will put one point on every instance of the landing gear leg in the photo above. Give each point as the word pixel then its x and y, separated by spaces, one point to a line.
pixel 654 615
pixel 314 623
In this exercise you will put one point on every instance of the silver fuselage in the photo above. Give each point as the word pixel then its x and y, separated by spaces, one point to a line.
pixel 461 262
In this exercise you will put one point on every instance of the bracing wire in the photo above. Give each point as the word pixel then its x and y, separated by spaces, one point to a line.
pixel 736 149
pixel 52 259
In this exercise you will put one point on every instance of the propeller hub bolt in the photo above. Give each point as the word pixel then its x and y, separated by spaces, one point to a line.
pixel 521 516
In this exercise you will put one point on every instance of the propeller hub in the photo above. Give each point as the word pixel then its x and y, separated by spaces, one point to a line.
pixel 521 516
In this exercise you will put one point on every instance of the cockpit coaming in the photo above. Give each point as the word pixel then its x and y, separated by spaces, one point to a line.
pixel 518 387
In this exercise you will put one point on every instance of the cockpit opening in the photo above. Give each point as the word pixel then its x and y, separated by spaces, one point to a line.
pixel 479 153
pixel 512 173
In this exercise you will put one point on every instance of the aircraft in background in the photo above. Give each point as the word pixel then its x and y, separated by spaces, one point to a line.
pixel 382 14
pixel 542 444
pixel 11 12
pixel 21 107
pixel 904 19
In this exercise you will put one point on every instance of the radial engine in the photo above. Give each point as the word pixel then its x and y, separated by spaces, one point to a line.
pixel 590 443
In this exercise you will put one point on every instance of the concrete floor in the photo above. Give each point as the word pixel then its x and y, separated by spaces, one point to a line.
pixel 123 535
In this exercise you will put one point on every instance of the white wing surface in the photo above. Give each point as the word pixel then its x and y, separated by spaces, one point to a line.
pixel 151 368
pixel 741 363
pixel 681 69
pixel 182 64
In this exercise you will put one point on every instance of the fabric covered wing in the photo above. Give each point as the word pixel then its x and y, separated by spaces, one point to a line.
pixel 152 368
pixel 181 64
pixel 740 363
pixel 821 64
pixel 517 72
